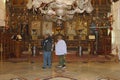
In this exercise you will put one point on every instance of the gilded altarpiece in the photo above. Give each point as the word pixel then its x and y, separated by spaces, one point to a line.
pixel 71 29
pixel 82 28
pixel 78 28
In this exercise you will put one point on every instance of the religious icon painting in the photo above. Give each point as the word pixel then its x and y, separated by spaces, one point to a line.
pixel 47 28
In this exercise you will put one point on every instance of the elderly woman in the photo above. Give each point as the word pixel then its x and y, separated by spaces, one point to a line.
pixel 61 51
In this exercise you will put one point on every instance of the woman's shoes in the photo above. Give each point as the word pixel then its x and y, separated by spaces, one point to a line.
pixel 61 66
pixel 64 66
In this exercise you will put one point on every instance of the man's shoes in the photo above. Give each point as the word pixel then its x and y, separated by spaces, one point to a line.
pixel 43 67
pixel 64 66
pixel 46 67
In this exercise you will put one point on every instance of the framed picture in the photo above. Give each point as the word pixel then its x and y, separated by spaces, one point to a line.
pixel 47 28
pixel 35 29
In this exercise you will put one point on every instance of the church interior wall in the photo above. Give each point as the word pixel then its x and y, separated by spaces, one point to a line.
pixel 2 13
pixel 116 26
pixel 31 27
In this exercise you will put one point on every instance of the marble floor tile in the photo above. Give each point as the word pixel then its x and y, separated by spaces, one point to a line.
pixel 76 70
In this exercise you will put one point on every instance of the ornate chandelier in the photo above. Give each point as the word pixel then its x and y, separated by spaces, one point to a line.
pixel 60 10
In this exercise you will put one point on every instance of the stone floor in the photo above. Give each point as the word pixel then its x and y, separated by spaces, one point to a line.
pixel 74 71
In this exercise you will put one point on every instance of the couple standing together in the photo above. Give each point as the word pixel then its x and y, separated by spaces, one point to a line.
pixel 60 51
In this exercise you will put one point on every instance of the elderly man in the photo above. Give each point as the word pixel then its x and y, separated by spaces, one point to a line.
pixel 47 47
